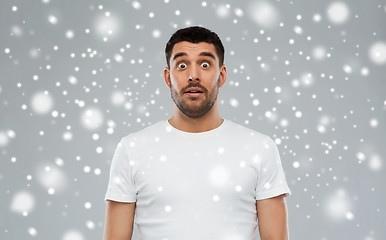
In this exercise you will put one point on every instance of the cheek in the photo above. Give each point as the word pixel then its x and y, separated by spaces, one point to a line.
pixel 174 85
pixel 215 80
pixel 214 75
pixel 177 80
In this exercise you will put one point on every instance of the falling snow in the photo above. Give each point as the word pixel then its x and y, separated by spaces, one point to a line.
pixel 76 78
pixel 264 14
pixel 338 12
pixel 23 202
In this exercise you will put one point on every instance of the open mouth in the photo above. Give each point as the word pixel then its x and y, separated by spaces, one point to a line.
pixel 194 93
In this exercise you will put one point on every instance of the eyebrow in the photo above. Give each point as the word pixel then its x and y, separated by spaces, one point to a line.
pixel 179 55
pixel 207 54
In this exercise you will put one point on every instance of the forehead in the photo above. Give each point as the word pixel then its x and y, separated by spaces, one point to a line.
pixel 192 49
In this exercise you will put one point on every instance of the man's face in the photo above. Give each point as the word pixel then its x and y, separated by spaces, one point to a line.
pixel 194 65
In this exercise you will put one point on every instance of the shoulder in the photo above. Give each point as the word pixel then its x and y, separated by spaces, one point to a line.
pixel 239 131
pixel 145 135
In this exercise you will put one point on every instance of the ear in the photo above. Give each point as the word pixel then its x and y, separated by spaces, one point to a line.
pixel 223 75
pixel 167 76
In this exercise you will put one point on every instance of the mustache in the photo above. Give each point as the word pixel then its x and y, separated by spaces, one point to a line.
pixel 197 85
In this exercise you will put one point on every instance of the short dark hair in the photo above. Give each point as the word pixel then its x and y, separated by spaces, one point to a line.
pixel 195 34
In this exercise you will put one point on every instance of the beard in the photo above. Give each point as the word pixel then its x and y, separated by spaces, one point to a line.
pixel 191 107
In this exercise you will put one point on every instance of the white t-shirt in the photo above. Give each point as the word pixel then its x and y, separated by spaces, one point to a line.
pixel 196 185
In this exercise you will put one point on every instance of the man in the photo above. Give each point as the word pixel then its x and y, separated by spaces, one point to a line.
pixel 196 176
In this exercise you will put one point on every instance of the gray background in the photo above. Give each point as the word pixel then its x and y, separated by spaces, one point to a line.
pixel 321 98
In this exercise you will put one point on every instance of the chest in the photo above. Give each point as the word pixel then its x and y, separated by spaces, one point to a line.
pixel 180 178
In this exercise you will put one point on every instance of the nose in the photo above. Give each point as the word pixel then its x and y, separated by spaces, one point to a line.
pixel 194 74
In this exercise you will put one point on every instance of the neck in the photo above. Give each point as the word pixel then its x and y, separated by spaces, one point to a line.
pixel 209 121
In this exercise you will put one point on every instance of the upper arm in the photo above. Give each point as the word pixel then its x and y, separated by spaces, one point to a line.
pixel 119 220
pixel 272 218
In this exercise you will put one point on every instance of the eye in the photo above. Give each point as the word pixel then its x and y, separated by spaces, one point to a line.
pixel 181 66
pixel 205 65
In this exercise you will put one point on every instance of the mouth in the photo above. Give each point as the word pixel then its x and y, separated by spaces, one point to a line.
pixel 191 94
pixel 194 93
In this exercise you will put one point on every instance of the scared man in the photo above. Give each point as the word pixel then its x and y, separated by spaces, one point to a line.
pixel 196 175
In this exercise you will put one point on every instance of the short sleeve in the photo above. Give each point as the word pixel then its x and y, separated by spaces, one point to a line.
pixel 271 181
pixel 121 187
